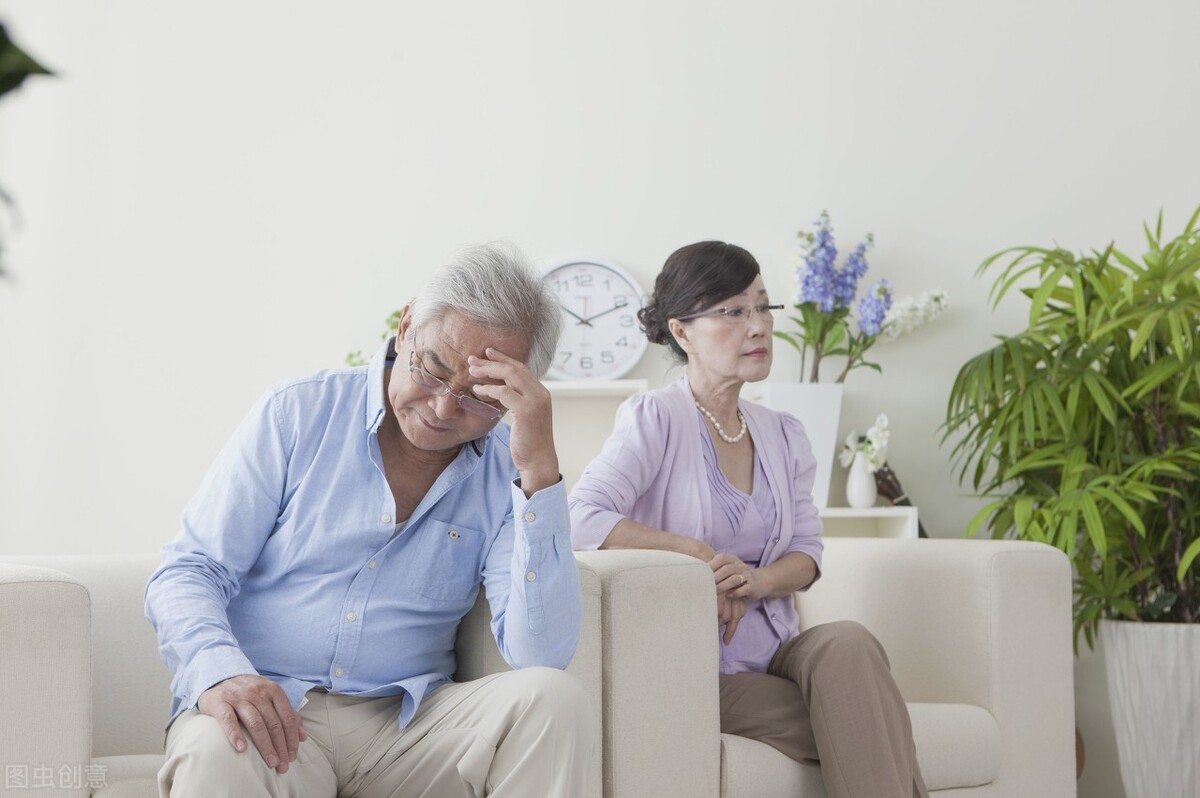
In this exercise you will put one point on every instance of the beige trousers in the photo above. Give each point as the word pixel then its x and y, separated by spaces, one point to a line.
pixel 828 695
pixel 518 734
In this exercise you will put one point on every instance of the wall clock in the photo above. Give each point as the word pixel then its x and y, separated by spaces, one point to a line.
pixel 601 338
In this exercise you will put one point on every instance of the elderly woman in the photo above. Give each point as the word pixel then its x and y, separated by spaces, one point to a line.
pixel 694 469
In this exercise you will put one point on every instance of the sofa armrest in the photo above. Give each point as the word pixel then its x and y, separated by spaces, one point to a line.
pixel 976 622
pixel 46 692
pixel 659 658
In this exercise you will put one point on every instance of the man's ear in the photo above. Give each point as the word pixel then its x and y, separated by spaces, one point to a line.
pixel 405 322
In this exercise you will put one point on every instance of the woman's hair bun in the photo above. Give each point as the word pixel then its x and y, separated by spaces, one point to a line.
pixel 652 323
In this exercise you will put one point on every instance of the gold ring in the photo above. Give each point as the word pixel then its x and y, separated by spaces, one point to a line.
pixel 743 576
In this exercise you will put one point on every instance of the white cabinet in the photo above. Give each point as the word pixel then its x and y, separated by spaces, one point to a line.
pixel 873 522
pixel 595 389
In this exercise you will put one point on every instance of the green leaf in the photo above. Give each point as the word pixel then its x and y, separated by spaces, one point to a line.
pixel 789 337
pixel 1123 507
pixel 1092 383
pixel 1144 331
pixel 1094 525
pixel 1189 556
pixel 979 517
pixel 1042 295
pixel 15 64
pixel 1153 377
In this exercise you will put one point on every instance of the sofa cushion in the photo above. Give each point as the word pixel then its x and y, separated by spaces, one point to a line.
pixel 750 769
pixel 132 776
pixel 958 745
pixel 131 704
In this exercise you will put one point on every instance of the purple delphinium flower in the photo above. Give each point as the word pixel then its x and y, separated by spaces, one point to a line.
pixel 873 307
pixel 816 274
pixel 845 282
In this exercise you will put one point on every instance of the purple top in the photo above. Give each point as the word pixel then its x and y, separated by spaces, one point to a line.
pixel 653 470
pixel 741 524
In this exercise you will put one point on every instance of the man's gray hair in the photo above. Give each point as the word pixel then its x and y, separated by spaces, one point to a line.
pixel 494 286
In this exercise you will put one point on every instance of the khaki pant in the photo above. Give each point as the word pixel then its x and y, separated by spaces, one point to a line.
pixel 828 695
pixel 517 734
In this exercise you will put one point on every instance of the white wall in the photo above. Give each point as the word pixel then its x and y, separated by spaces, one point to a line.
pixel 220 195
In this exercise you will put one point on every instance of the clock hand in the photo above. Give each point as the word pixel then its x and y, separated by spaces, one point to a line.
pixel 601 313
pixel 582 320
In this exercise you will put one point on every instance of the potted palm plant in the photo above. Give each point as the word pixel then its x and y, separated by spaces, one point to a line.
pixel 1084 432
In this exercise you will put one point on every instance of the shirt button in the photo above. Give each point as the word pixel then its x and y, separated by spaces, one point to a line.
pixel 387 519
pixel 340 672
pixel 531 577
pixel 530 517
pixel 454 534
pixel 371 564
pixel 774 617
pixel 352 616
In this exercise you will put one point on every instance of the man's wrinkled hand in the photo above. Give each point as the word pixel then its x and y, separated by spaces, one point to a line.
pixel 531 441
pixel 262 708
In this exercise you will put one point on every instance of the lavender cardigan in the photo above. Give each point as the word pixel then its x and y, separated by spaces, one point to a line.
pixel 652 470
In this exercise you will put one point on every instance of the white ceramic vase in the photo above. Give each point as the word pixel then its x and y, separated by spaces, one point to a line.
pixel 818 405
pixel 860 483
pixel 1154 688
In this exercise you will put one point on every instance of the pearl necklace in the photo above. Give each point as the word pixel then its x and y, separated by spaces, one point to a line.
pixel 717 424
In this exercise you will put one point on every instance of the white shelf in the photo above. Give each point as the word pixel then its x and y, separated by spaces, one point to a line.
pixel 590 389
pixel 872 522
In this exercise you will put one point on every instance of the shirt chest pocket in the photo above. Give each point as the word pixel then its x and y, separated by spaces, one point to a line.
pixel 443 561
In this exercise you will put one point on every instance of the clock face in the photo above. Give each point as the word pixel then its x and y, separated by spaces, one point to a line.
pixel 601 338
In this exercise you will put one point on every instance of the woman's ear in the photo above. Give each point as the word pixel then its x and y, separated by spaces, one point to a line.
pixel 679 332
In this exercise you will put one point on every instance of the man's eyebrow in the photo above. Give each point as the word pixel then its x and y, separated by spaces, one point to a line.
pixel 430 355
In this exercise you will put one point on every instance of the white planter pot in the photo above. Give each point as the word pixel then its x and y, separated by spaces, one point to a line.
pixel 1154 688
pixel 819 408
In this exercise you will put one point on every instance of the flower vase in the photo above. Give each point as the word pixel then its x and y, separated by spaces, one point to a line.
pixel 818 406
pixel 860 483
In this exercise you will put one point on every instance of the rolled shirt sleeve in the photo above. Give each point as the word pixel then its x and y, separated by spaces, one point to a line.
pixel 187 597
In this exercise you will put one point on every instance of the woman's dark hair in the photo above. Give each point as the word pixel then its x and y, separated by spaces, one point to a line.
pixel 693 278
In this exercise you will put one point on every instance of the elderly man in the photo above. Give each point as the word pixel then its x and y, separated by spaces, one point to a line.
pixel 308 607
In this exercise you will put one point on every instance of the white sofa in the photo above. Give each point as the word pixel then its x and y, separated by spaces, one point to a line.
pixel 978 633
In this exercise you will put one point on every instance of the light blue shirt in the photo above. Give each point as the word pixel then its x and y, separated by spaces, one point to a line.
pixel 289 564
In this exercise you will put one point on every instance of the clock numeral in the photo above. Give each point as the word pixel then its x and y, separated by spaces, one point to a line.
pixel 622 341
pixel 606 357
pixel 562 285
pixel 583 280
pixel 585 363
pixel 566 356
pixel 620 300
pixel 627 321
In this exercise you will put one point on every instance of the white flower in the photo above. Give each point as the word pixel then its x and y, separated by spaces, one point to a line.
pixel 908 313
pixel 873 445
pixel 847 453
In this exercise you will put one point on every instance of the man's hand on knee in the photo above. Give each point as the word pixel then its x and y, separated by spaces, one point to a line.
pixel 261 706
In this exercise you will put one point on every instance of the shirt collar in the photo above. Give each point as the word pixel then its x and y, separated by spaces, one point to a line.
pixel 382 360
